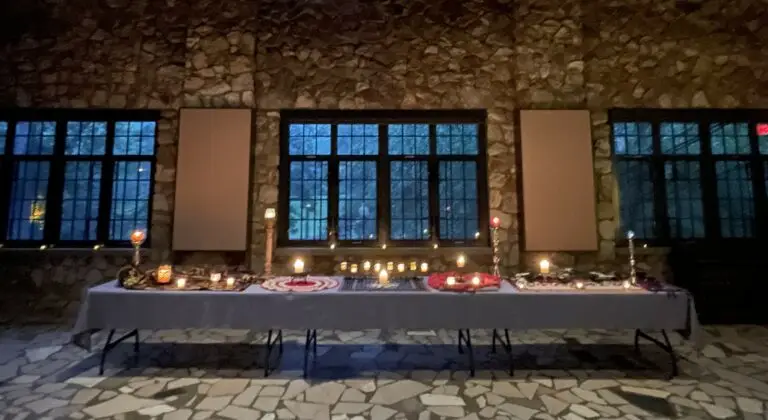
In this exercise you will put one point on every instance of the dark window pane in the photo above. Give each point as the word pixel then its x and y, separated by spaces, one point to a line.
pixel 631 138
pixel 130 199
pixel 86 138
pixel 26 220
pixel 680 139
pixel 308 201
pixel 684 205
pixel 34 138
pixel 735 199
pixel 636 197
pixel 408 139
pixel 457 192
pixel 730 139
pixel 309 139
pixel 409 206
pixel 357 201
pixel 457 139
pixel 3 135
pixel 80 201
pixel 357 139
pixel 762 138
pixel 135 138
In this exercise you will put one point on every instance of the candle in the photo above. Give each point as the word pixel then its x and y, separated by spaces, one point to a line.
pixel 353 268
pixel 435 246
pixel 377 267
pixel 627 284
pixel 390 266
pixel 215 277
pixel 137 237
pixel 544 266
pixel 424 267
pixel 383 277
pixel 477 235
pixel 412 266
pixel 383 246
pixel 476 281
pixel 270 213
pixel 401 267
pixel 579 284
pixel 450 281
pixel 181 282
pixel 495 222
pixel 230 281
pixel 366 265
pixel 343 266
pixel 461 261
pixel 164 273
pixel 521 284
pixel 298 266
pixel 333 246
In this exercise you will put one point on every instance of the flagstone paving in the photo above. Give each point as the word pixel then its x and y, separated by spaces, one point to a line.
pixel 380 375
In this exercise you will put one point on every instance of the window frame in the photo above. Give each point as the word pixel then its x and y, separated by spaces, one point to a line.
pixel 383 164
pixel 707 165
pixel 56 178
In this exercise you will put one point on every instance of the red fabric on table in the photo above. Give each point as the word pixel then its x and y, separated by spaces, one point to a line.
pixel 463 281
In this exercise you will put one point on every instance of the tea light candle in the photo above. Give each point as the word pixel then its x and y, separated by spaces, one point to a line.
pixel 424 267
pixel 626 284
pixel 343 266
pixel 353 268
pixel 401 267
pixel 412 266
pixel 230 281
pixel 390 266
pixel 476 281
pixel 383 277
pixel 450 281
pixel 461 261
pixel 377 267
pixel 298 266
pixel 215 277
pixel 181 282
pixel 366 265
pixel 579 284
pixel 435 246
pixel 544 266
pixel 164 274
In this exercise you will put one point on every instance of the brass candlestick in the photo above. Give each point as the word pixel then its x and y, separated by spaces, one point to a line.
pixel 495 223
pixel 632 262
pixel 137 239
pixel 269 219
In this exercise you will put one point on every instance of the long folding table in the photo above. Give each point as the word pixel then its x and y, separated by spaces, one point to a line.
pixel 110 307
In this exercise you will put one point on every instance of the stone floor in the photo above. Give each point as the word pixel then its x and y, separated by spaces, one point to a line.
pixel 382 375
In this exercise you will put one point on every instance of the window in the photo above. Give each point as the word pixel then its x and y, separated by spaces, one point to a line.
pixel 366 178
pixel 691 174
pixel 75 178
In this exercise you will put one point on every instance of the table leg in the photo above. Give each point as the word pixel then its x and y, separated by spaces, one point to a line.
pixel 311 340
pixel 666 346
pixel 109 345
pixel 270 346
pixel 506 344
pixel 466 338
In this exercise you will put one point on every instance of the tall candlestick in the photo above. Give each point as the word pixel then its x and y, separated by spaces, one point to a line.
pixel 632 268
pixel 138 237
pixel 495 223
pixel 269 221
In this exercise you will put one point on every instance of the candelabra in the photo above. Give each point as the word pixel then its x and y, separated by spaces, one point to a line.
pixel 495 223
pixel 269 219
pixel 632 268
pixel 137 239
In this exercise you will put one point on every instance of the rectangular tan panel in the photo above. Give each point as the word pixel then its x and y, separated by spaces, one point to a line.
pixel 212 176
pixel 558 181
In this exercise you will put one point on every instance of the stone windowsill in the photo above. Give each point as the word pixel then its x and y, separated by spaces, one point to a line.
pixel 393 251
pixel 80 251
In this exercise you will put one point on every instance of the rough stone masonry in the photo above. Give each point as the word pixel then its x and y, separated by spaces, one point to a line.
pixel 500 55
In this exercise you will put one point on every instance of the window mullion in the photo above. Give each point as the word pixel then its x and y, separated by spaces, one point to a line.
pixel 384 186
pixel 333 187
pixel 661 228
pixel 105 190
pixel 54 198
pixel 759 193
pixel 709 184
pixel 434 200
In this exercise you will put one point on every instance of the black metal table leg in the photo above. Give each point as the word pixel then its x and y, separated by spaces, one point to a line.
pixel 271 346
pixel 666 346
pixel 311 340
pixel 109 345
pixel 466 339
pixel 506 344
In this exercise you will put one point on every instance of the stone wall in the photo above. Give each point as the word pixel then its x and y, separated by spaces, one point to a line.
pixel 269 55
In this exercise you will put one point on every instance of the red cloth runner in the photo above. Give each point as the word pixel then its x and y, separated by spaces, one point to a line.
pixel 463 281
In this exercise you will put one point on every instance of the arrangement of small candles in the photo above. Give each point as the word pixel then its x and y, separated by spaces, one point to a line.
pixel 165 275
pixel 451 281
pixel 389 266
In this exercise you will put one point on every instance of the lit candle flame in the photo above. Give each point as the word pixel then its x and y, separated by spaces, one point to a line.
pixel 461 261
pixel 298 266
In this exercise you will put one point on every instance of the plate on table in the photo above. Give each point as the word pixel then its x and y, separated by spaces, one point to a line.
pixel 299 284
